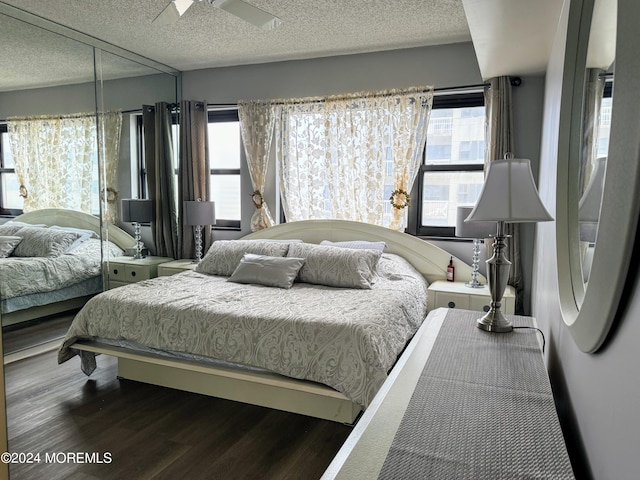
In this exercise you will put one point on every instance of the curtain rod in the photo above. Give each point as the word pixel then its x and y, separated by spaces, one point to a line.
pixel 54 116
pixel 515 81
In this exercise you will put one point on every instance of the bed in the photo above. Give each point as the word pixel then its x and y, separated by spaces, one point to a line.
pixel 317 348
pixel 57 264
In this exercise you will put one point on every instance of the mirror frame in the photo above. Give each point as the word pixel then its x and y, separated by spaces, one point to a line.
pixel 590 313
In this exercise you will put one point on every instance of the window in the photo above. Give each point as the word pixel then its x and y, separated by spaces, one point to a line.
pixel 10 199
pixel 225 148
pixel 605 120
pixel 452 171
pixel 223 134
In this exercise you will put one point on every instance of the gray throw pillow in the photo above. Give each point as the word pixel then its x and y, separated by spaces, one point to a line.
pixel 8 245
pixel 223 256
pixel 43 242
pixel 336 267
pixel 278 272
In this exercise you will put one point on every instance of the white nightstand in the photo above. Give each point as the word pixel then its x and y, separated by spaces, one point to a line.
pixel 176 266
pixel 125 270
pixel 458 295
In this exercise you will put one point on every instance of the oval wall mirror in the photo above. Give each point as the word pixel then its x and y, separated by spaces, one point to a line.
pixel 597 188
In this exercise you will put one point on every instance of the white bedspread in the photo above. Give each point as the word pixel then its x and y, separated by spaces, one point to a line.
pixel 347 339
pixel 21 276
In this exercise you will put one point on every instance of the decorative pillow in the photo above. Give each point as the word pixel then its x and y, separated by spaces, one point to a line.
pixel 17 223
pixel 336 267
pixel 224 255
pixel 357 244
pixel 8 244
pixel 43 242
pixel 269 271
pixel 9 230
pixel 84 235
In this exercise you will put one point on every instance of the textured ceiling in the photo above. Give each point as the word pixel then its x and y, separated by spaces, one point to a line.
pixel 209 37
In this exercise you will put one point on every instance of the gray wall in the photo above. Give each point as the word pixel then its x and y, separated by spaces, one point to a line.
pixel 597 394
pixel 440 66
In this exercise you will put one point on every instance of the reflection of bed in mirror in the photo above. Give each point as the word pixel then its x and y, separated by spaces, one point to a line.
pixel 57 264
pixel 313 348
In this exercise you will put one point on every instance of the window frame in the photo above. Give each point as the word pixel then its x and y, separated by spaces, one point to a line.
pixel 6 212
pixel 213 116
pixel 219 116
pixel 441 101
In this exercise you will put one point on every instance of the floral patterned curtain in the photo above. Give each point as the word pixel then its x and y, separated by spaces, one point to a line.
pixel 56 158
pixel 256 125
pixel 351 157
pixel 110 129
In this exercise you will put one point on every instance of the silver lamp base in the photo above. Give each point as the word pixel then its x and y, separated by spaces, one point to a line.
pixel 138 255
pixel 497 276
pixel 474 283
pixel 198 239
pixel 494 321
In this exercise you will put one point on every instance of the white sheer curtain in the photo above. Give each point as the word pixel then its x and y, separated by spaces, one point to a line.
pixel 351 157
pixel 592 107
pixel 110 130
pixel 256 125
pixel 56 159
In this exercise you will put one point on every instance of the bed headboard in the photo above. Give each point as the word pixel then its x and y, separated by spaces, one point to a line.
pixel 73 218
pixel 427 258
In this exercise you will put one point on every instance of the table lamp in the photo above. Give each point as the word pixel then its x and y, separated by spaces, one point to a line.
pixel 477 231
pixel 137 211
pixel 509 195
pixel 198 213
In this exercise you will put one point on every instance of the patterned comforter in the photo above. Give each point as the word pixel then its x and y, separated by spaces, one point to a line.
pixel 345 338
pixel 21 276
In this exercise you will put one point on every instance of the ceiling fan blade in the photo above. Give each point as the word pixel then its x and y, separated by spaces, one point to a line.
pixel 172 12
pixel 248 13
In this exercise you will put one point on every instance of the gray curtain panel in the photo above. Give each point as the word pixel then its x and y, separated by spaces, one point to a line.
pixel 500 141
pixel 194 171
pixel 159 155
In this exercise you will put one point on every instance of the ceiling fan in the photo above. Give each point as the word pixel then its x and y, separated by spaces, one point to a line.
pixel 239 8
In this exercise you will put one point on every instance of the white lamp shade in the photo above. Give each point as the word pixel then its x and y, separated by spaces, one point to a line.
pixel 472 229
pixel 589 206
pixel 136 210
pixel 198 212
pixel 509 195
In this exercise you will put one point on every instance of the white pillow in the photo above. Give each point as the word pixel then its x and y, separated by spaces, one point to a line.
pixel 278 272
pixel 8 244
pixel 84 235
pixel 357 244
pixel 336 267
pixel 17 223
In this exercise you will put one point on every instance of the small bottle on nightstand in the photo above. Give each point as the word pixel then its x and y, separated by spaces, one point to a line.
pixel 450 270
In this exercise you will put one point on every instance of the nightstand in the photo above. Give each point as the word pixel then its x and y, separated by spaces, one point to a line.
pixel 125 270
pixel 458 295
pixel 175 266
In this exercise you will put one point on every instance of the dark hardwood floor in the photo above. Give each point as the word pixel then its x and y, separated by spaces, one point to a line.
pixel 28 334
pixel 152 432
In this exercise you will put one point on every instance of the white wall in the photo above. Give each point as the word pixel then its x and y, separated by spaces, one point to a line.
pixel 597 394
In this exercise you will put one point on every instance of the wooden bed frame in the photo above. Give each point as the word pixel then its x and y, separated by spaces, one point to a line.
pixel 273 390
pixel 64 218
